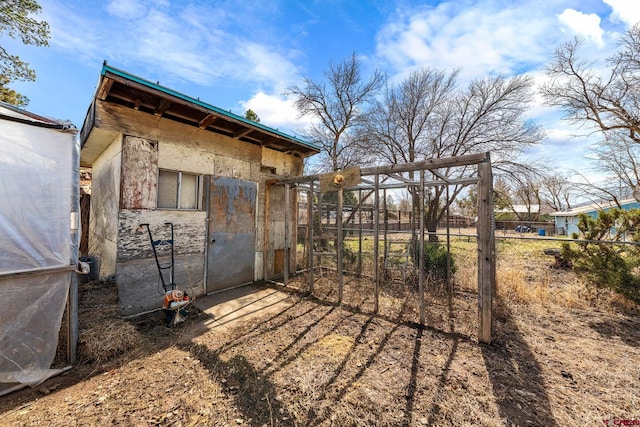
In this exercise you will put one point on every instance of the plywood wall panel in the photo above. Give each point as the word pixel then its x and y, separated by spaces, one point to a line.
pixel 139 185
pixel 189 232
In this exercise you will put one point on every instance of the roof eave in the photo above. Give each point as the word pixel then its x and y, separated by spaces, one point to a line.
pixel 109 72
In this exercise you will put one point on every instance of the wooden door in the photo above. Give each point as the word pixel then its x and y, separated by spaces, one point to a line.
pixel 231 233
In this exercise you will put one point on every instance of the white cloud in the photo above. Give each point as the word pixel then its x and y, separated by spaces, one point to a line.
pixel 276 111
pixel 582 24
pixel 480 37
pixel 71 33
pixel 127 9
pixel 267 65
pixel 173 42
pixel 627 11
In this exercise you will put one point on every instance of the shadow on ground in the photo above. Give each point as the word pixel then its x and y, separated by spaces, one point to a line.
pixel 625 329
pixel 258 366
pixel 516 376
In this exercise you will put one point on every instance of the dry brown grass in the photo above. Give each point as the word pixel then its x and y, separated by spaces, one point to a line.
pixel 109 337
pixel 103 334
pixel 562 356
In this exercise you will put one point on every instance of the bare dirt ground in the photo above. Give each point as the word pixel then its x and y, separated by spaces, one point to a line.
pixel 316 363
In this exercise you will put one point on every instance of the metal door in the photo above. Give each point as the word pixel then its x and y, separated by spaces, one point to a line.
pixel 231 233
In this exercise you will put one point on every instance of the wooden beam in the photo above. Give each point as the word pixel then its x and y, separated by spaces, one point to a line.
pixel 376 232
pixel 287 239
pixel 243 133
pixel 152 91
pixel 486 253
pixel 339 243
pixel 439 175
pixel 310 235
pixel 89 122
pixel 126 98
pixel 207 120
pixel 421 272
pixel 430 164
pixel 162 107
pixel 105 87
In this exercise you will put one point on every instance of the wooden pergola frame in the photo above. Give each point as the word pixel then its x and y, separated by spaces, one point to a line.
pixel 485 229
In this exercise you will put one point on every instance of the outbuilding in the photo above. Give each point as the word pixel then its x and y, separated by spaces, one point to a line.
pixel 566 222
pixel 165 159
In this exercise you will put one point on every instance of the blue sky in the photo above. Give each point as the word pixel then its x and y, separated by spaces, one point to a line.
pixel 238 55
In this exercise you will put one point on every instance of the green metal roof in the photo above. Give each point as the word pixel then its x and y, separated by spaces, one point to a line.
pixel 115 71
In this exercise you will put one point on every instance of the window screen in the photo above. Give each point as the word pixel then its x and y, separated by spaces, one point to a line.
pixel 168 190
pixel 189 192
pixel 178 190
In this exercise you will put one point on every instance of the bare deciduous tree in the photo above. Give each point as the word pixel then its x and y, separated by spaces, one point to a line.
pixel 607 102
pixel 597 193
pixel 339 105
pixel 619 160
pixel 486 116
pixel 406 122
pixel 403 126
pixel 557 192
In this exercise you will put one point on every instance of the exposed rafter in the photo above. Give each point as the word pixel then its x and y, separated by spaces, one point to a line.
pixel 122 88
pixel 104 89
pixel 207 120
pixel 162 107
pixel 242 133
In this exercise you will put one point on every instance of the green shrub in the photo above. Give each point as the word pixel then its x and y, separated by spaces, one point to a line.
pixel 349 257
pixel 602 261
pixel 435 260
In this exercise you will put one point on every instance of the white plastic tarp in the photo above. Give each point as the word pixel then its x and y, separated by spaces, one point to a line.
pixel 38 176
pixel 31 318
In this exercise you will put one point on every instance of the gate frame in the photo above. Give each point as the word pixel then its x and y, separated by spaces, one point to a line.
pixel 485 223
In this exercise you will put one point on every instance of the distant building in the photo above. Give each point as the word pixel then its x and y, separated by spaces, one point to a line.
pixel 567 222
pixel 520 212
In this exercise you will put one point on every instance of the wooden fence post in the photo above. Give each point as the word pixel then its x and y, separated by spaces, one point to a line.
pixel 310 235
pixel 339 244
pixel 376 231
pixel 421 249
pixel 287 237
pixel 486 252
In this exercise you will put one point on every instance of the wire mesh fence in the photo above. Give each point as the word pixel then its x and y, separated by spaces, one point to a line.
pixel 529 266
pixel 389 285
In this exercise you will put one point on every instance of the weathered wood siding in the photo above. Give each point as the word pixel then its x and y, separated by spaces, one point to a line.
pixel 139 184
pixel 138 280
pixel 284 165
pixel 103 220
pixel 188 229
pixel 275 235
pixel 184 145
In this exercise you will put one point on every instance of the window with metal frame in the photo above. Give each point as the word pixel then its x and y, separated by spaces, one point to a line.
pixel 179 190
